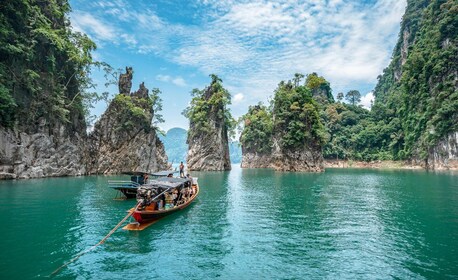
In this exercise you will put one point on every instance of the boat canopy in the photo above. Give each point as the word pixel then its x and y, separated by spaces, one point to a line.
pixel 158 173
pixel 168 182
pixel 164 173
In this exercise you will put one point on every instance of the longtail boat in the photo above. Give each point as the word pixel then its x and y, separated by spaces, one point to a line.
pixel 128 188
pixel 162 197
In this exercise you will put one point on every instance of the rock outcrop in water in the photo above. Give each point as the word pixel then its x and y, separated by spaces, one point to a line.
pixel 44 153
pixel 289 137
pixel 209 121
pixel 123 139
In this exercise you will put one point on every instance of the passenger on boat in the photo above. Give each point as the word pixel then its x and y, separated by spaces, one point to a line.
pixel 181 170
pixel 145 178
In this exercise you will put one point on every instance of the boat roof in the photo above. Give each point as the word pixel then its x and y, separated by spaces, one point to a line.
pixel 158 173
pixel 164 172
pixel 168 182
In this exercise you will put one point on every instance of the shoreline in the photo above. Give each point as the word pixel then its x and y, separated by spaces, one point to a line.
pixel 384 164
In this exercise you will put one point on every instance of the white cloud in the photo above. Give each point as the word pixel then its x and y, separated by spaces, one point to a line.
pixel 179 81
pixel 163 78
pixel 237 98
pixel 85 22
pixel 367 100
pixel 253 45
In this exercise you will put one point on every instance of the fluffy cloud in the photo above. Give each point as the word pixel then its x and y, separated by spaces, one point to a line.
pixel 237 98
pixel 367 100
pixel 253 45
pixel 179 81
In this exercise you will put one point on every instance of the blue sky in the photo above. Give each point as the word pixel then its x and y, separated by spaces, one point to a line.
pixel 252 45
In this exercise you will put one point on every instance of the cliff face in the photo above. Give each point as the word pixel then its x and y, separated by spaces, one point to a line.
pixel 42 126
pixel 419 89
pixel 444 155
pixel 209 152
pixel 251 159
pixel 289 136
pixel 123 139
pixel 209 120
pixel 41 154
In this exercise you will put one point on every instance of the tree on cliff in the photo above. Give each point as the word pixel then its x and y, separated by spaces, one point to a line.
pixel 320 88
pixel 297 117
pixel 353 96
pixel 417 92
pixel 211 101
pixel 257 129
pixel 44 66
pixel 288 135
pixel 210 123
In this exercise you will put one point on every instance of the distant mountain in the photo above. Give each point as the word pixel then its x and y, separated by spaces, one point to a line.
pixel 175 144
pixel 176 147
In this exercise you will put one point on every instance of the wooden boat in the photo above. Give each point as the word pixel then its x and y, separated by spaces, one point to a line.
pixel 151 197
pixel 128 188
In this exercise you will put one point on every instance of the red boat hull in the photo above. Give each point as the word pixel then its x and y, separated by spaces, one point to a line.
pixel 147 216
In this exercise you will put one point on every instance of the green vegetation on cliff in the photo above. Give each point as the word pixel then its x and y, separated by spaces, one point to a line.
pixel 293 118
pixel 44 65
pixel 416 98
pixel 258 129
pixel 296 116
pixel 207 106
pixel 417 94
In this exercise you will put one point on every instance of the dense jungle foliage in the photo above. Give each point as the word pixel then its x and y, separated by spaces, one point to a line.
pixel 138 112
pixel 292 118
pixel 258 129
pixel 44 66
pixel 416 98
pixel 208 109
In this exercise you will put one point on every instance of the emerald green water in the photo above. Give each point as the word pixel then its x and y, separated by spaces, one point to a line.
pixel 246 224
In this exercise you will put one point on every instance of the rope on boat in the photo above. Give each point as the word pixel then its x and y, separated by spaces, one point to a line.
pixel 98 244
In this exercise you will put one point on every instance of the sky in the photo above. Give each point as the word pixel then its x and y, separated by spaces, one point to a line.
pixel 251 45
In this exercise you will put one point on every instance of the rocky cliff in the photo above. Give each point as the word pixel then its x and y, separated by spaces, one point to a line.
pixel 45 153
pixel 209 120
pixel 444 155
pixel 43 67
pixel 123 139
pixel 288 136
pixel 418 91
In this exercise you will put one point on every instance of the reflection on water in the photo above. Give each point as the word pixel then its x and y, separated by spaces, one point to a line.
pixel 245 224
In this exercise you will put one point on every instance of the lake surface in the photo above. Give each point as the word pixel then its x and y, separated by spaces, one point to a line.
pixel 245 224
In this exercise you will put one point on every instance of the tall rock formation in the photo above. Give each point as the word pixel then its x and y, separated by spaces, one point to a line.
pixel 418 91
pixel 42 82
pixel 123 139
pixel 288 138
pixel 256 138
pixel 210 121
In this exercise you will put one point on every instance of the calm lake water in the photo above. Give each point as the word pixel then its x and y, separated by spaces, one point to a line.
pixel 246 224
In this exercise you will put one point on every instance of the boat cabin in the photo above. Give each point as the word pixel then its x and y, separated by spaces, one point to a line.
pixel 165 193
pixel 137 179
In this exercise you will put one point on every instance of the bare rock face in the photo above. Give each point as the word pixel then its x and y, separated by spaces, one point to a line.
pixel 304 160
pixel 209 152
pixel 125 81
pixel 445 154
pixel 123 139
pixel 142 92
pixel 46 153
pixel 256 160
